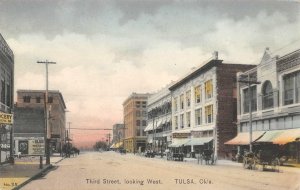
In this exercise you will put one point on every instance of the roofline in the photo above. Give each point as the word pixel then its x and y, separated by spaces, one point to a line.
pixel 49 91
pixel 202 69
pixel 132 95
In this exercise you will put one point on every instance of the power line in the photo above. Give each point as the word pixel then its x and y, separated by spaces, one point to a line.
pixel 90 129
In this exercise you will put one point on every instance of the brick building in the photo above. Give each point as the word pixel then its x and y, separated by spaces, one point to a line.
pixel 57 108
pixel 275 105
pixel 135 122
pixel 6 95
pixel 204 108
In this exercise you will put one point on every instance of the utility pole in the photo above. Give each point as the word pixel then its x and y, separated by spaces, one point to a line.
pixel 69 132
pixel 47 128
pixel 249 81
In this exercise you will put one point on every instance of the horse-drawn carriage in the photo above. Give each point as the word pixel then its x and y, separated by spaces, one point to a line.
pixel 267 159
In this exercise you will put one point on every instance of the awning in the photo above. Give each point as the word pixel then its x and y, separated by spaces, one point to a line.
pixel 269 136
pixel 179 142
pixel 112 146
pixel 118 145
pixel 199 141
pixel 149 126
pixel 244 138
pixel 158 123
pixel 281 136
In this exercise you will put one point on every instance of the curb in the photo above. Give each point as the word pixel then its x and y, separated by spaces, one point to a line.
pixel 33 177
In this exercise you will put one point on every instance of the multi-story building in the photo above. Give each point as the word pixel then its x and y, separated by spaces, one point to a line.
pixel 275 104
pixel 6 95
pixel 135 122
pixel 159 128
pixel 57 109
pixel 204 108
pixel 118 135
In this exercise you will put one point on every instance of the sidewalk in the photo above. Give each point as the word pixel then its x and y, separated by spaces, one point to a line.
pixel 24 170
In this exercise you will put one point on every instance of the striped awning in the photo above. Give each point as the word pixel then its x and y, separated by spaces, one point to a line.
pixel 244 138
pixel 199 141
pixel 280 136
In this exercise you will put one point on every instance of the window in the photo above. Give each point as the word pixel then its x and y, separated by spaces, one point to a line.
pixel 38 99
pixel 138 122
pixel 253 99
pixel 198 116
pixel 176 122
pixel 26 99
pixel 138 113
pixel 208 89
pixel 292 88
pixel 50 100
pixel 175 104
pixel 181 102
pixel 181 121
pixel 137 132
pixel 144 113
pixel 209 114
pixel 2 91
pixel 144 123
pixel 188 119
pixel 188 98
pixel 198 94
pixel 138 104
pixel 8 93
pixel 267 93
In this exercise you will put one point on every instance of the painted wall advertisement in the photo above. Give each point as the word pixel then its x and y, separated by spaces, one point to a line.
pixel 33 147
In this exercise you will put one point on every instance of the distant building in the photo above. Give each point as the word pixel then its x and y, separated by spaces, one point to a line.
pixel 6 94
pixel 159 127
pixel 135 122
pixel 57 108
pixel 275 105
pixel 204 108
pixel 118 135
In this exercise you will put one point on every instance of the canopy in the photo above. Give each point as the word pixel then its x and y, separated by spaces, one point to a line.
pixel 112 146
pixel 199 141
pixel 281 136
pixel 244 138
pixel 118 145
pixel 179 142
pixel 149 126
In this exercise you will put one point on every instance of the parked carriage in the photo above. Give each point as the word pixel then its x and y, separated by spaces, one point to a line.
pixel 267 159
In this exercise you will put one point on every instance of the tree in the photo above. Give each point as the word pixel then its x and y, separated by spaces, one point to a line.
pixel 100 145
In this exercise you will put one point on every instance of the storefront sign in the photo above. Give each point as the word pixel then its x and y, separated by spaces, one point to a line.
pixel 181 135
pixel 34 147
pixel 6 118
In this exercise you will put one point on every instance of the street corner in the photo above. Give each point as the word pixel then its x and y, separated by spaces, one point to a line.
pixel 11 183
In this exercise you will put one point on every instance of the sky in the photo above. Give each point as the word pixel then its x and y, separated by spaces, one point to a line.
pixel 105 50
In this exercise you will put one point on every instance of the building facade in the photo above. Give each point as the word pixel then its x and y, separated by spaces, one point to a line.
pixel 135 122
pixel 275 104
pixel 118 135
pixel 159 127
pixel 57 109
pixel 6 96
pixel 204 108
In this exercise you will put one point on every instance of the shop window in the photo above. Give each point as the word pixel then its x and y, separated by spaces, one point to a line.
pixel 209 114
pixel 253 99
pixel 208 89
pixel 198 116
pixel 267 93
pixel 198 94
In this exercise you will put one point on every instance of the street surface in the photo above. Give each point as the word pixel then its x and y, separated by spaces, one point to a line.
pixel 111 171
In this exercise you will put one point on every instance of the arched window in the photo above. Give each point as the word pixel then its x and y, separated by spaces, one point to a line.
pixel 267 93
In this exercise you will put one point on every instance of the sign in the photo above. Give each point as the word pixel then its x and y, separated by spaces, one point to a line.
pixel 181 135
pixel 6 118
pixel 34 147
pixel 57 136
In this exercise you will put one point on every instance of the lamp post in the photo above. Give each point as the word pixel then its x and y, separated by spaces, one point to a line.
pixel 47 128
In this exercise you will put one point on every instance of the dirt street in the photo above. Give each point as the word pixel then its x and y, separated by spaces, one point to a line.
pixel 111 171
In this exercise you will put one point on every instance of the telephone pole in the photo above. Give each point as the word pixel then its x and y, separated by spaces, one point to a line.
pixel 249 81
pixel 47 128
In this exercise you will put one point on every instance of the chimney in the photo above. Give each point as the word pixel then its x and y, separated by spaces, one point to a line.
pixel 215 55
